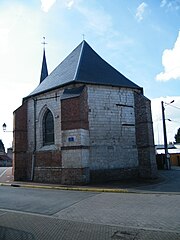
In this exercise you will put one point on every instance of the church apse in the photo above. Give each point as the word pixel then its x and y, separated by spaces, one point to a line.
pixel 84 122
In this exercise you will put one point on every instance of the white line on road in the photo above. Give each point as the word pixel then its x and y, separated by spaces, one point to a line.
pixel 3 172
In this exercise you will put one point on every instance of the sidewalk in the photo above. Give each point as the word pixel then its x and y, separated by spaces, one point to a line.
pixel 20 226
pixel 167 182
pixel 144 216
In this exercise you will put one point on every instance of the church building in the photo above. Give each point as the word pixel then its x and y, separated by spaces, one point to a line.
pixel 85 122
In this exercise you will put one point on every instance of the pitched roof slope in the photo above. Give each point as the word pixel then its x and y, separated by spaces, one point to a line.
pixel 83 65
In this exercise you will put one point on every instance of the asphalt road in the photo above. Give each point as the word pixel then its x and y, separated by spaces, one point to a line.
pixel 27 213
pixel 39 201
pixel 2 170
pixel 158 211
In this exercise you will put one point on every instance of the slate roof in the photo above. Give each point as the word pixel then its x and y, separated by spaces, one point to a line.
pixel 83 65
pixel 72 92
pixel 44 70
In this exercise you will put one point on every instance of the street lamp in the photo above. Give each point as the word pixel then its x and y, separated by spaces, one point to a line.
pixel 167 156
pixel 4 127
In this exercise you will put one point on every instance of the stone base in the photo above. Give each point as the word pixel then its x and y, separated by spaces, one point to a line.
pixel 105 175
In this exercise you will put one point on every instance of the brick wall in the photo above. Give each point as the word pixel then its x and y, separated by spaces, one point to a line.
pixel 21 157
pixel 74 112
pixel 104 133
pixel 48 159
pixel 145 137
pixel 52 163
pixel 75 139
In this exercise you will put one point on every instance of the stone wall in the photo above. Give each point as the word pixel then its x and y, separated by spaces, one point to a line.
pixel 104 133
pixel 36 109
pixel 70 152
pixel 112 132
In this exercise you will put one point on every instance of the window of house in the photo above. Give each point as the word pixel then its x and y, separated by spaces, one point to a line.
pixel 48 128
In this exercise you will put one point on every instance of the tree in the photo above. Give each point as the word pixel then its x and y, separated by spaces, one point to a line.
pixel 177 136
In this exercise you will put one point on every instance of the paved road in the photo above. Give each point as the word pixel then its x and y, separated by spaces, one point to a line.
pixel 6 174
pixel 78 213
pixel 2 170
pixel 41 201
pixel 27 213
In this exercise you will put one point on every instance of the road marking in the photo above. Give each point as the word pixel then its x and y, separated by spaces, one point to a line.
pixel 3 172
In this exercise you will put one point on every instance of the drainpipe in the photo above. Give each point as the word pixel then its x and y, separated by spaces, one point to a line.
pixel 34 150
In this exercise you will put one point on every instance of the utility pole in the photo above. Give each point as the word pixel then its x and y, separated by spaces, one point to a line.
pixel 167 157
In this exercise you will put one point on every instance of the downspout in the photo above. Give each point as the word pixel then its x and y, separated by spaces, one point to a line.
pixel 34 150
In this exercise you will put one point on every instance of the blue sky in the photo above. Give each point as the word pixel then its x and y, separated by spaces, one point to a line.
pixel 141 39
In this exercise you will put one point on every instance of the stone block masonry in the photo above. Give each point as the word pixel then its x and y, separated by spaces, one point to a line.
pixel 103 133
pixel 113 151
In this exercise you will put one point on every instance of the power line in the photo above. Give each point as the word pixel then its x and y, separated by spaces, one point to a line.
pixel 174 106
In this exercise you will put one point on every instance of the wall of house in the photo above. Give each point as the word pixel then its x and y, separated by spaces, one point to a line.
pixel 46 160
pixel 65 161
pixel 75 139
pixel 21 157
pixel 113 151
pixel 145 137
pixel 105 133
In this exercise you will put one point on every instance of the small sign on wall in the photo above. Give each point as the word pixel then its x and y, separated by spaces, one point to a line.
pixel 71 139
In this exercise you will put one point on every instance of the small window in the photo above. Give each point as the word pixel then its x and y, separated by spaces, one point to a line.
pixel 48 128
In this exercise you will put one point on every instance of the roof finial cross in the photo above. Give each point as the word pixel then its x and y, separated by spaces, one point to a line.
pixel 44 42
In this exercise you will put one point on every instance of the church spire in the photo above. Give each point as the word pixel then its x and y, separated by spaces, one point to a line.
pixel 44 70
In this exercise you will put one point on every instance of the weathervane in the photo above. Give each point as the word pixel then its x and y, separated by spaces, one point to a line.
pixel 44 42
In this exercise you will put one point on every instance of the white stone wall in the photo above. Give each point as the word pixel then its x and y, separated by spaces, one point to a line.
pixel 111 128
pixel 44 101
pixel 75 137
pixel 111 137
pixel 75 158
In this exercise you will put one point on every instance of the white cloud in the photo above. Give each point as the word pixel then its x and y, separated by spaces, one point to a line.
pixel 69 4
pixel 171 112
pixel 140 11
pixel 170 4
pixel 163 3
pixel 171 63
pixel 47 4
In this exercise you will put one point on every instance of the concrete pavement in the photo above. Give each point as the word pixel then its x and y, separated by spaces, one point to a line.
pixel 168 182
pixel 150 210
pixel 20 226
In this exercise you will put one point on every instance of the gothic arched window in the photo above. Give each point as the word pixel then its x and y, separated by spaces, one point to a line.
pixel 48 128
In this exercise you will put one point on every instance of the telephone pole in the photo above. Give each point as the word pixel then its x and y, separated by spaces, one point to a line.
pixel 167 156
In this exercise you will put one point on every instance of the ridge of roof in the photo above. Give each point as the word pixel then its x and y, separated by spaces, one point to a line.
pixel 83 65
pixel 79 60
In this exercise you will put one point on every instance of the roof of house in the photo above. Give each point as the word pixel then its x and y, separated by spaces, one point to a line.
pixel 83 65
pixel 170 151
pixel 2 148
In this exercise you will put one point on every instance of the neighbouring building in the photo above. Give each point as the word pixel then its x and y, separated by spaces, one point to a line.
pixel 5 159
pixel 85 122
pixel 174 152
